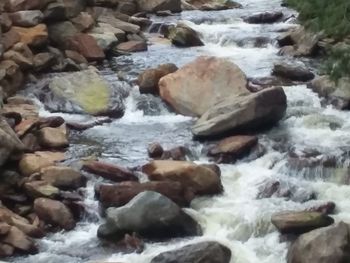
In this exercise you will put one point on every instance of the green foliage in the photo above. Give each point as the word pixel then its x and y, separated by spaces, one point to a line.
pixel 338 62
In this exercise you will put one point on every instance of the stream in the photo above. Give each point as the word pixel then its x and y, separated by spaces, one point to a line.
pixel 237 218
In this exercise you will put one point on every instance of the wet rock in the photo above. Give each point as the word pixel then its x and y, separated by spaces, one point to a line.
pixel 132 46
pixel 34 162
pixel 54 212
pixel 17 239
pixel 131 243
pixel 120 194
pixel 293 72
pixel 155 150
pixel 62 177
pixel 264 18
pixel 324 208
pixel 109 171
pixel 300 222
pixel 205 252
pixel 41 189
pixel 202 180
pixel 209 5
pixel 328 244
pixel 87 46
pixel 159 5
pixel 27 18
pixel 256 110
pixel 177 154
pixel 149 79
pixel 43 61
pixel 184 36
pixel 88 92
pixel 75 56
pixel 34 37
pixel 53 138
pixel 233 148
pixel 166 221
pixel 202 78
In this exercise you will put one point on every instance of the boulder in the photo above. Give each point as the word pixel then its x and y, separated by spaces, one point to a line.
pixel 75 56
pixel 34 162
pixel 237 113
pixel 87 92
pixel 105 41
pixel 119 24
pixel 155 150
pixel 64 9
pixel 83 22
pixel 54 212
pixel 209 5
pixel 5 22
pixel 209 78
pixel 43 61
pixel 131 46
pixel 62 177
pixel 204 252
pixel 17 239
pixel 184 36
pixel 295 72
pixel 264 18
pixel 37 189
pixel 87 46
pixel 109 171
pixel 201 179
pixel 324 245
pixel 27 18
pixel 233 148
pixel 104 28
pixel 61 32
pixel 23 62
pixel 10 38
pixel 300 222
pixel 34 37
pixel 149 79
pixel 53 137
pixel 159 5
pixel 17 5
pixel 151 215
pixel 120 194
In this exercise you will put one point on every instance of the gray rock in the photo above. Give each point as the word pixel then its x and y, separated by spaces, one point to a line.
pixel 159 5
pixel 295 72
pixel 151 215
pixel 27 18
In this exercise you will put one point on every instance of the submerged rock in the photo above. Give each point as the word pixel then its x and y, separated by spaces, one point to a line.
pixel 324 245
pixel 151 215
pixel 86 92
pixel 300 222
pixel 204 252
pixel 209 78
pixel 245 112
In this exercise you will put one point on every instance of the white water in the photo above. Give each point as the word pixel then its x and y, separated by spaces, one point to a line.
pixel 236 219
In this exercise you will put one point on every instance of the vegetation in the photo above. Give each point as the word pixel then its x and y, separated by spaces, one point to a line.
pixel 332 18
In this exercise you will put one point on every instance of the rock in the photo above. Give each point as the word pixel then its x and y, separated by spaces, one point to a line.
pixel 150 215
pixel 5 22
pixel 264 18
pixel 27 18
pixel 62 177
pixel 202 180
pixel 120 194
pixel 87 46
pixel 109 171
pixel 62 10
pixel 36 36
pixel 300 222
pixel 105 41
pixel 6 250
pixel 292 72
pixel 131 46
pixel 37 189
pixel 210 78
pixel 324 245
pixel 53 137
pixel 9 39
pixel 149 79
pixel 54 212
pixel 17 239
pixel 119 24
pixel 104 28
pixel 23 62
pixel 88 91
pixel 159 5
pixel 256 110
pixel 233 148
pixel 205 252
pixel 75 56
pixel 83 22
pixel 155 150
pixel 184 36
pixel 17 5
pixel 34 162
pixel 61 32
pixel 43 61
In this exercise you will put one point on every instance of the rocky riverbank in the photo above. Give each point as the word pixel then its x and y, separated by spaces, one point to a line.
pixel 43 186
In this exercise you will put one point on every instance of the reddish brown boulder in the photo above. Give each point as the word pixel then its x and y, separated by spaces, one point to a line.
pixel 109 171
pixel 54 212
pixel 120 194
pixel 132 46
pixel 87 46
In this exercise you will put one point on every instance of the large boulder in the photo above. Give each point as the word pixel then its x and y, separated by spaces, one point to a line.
pixel 53 138
pixel 86 92
pixel 204 252
pixel 62 177
pixel 295 72
pixel 324 245
pixel 300 222
pixel 201 179
pixel 151 215
pixel 116 195
pixel 87 46
pixel 184 36
pixel 159 5
pixel 237 113
pixel 54 212
pixel 209 78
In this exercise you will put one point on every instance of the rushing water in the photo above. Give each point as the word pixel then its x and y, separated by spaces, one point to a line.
pixel 237 218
